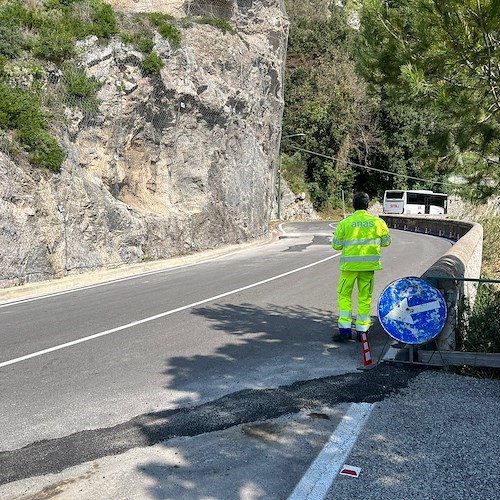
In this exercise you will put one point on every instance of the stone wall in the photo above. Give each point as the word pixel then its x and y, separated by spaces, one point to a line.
pixel 462 261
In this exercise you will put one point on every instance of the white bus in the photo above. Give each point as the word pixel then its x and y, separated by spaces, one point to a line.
pixel 415 202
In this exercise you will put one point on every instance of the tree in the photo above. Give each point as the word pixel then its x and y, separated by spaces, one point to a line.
pixel 440 58
pixel 325 100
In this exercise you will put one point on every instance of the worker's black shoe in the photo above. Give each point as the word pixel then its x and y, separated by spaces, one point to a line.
pixel 342 335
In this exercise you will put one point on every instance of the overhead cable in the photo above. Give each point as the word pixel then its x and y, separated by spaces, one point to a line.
pixel 369 168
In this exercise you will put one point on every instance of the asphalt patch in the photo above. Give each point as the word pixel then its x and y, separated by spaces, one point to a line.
pixel 54 455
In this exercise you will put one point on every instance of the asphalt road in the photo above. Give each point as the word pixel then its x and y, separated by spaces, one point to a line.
pixel 107 359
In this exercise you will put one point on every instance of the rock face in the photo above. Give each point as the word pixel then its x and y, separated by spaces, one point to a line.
pixel 293 206
pixel 169 164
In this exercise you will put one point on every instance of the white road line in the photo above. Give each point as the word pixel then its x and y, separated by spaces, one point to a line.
pixel 111 281
pixel 157 316
pixel 320 476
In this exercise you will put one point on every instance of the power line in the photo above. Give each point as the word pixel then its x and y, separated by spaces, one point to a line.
pixel 370 168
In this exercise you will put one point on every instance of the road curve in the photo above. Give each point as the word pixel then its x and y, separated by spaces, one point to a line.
pixel 175 339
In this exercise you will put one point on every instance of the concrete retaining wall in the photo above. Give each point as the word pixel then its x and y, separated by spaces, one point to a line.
pixel 462 260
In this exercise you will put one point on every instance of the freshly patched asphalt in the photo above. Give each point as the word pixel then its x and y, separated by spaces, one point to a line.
pixel 430 435
pixel 52 456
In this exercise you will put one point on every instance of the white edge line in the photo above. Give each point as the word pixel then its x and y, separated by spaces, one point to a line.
pixel 320 476
pixel 161 315
pixel 110 282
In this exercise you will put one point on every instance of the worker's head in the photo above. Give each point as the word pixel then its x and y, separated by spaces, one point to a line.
pixel 360 201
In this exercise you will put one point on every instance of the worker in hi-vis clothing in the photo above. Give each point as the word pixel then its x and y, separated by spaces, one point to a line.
pixel 360 237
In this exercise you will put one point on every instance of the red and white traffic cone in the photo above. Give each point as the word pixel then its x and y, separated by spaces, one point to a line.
pixel 367 352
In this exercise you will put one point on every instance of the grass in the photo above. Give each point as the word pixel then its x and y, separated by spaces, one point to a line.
pixel 491 246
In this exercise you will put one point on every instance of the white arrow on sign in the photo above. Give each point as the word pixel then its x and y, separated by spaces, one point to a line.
pixel 401 311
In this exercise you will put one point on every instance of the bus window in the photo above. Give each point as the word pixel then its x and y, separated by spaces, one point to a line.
pixel 416 198
pixel 394 202
pixel 438 201
pixel 394 195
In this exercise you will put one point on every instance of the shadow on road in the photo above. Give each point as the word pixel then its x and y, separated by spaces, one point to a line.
pixel 264 346
pixel 283 339
pixel 290 344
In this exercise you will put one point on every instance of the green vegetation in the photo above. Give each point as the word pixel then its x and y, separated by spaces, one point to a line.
pixel 165 28
pixel 437 59
pixel 158 18
pixel 20 111
pixel 80 89
pixel 11 41
pixel 103 20
pixel 294 168
pixel 481 325
pixel 413 92
pixel 152 63
pixel 222 24
pixel 38 69
pixel 141 38
pixel 326 101
pixel 38 39
pixel 31 38
pixel 54 46
pixel 139 31
pixel 479 328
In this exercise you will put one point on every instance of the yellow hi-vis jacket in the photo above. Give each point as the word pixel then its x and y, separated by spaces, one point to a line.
pixel 360 237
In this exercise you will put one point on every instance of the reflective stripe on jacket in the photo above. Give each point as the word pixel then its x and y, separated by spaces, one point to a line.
pixel 360 237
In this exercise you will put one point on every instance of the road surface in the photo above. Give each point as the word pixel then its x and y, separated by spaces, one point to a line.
pixel 98 364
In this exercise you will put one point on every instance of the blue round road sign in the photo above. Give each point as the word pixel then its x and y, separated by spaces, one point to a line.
pixel 412 311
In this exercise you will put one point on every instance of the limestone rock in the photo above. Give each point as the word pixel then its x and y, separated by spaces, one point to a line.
pixel 168 164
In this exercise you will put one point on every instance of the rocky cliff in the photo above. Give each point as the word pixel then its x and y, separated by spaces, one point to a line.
pixel 171 163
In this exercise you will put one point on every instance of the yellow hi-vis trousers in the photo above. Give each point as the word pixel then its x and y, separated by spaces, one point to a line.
pixel 344 291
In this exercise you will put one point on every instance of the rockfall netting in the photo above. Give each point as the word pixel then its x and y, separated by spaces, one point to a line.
pixel 154 136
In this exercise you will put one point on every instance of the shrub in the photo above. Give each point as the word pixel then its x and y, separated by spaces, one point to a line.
pixel 11 41
pixel 104 20
pixel 18 106
pixel 55 46
pixel 22 74
pixel 144 44
pixel 170 33
pixel 152 63
pixel 13 14
pixel 480 330
pixel 293 168
pixel 20 111
pixel 166 29
pixel 81 90
pixel 141 40
pixel 159 17
pixel 46 152
pixel 491 245
pixel 59 4
pixel 78 84
pixel 222 24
